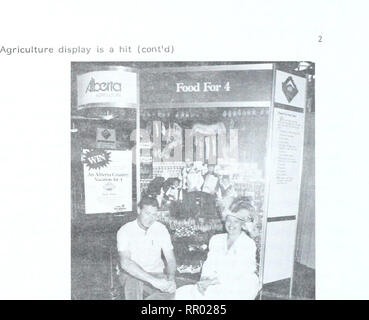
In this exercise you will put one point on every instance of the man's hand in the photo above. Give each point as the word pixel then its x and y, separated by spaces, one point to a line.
pixel 162 284
pixel 172 287
pixel 203 284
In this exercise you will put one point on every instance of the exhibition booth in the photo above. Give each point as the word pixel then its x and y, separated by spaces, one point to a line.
pixel 194 137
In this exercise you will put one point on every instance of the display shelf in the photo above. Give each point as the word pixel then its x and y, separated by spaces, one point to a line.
pixel 190 237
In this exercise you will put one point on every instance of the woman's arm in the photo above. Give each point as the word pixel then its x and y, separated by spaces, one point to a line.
pixel 209 269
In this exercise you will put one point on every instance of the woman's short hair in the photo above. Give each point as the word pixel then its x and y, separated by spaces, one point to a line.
pixel 241 203
pixel 148 200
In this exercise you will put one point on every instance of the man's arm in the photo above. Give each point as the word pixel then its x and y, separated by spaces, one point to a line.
pixel 171 268
pixel 171 262
pixel 136 271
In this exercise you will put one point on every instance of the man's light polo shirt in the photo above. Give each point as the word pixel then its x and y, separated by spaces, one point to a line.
pixel 145 246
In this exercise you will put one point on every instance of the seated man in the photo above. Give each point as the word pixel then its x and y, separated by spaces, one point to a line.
pixel 140 246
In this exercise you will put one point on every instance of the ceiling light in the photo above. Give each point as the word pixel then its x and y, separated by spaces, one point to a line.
pixel 303 65
pixel 108 116
pixel 74 129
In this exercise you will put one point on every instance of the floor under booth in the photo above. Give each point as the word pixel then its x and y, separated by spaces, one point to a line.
pixel 303 286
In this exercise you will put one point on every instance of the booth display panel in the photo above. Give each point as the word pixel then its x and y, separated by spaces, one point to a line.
pixel 104 125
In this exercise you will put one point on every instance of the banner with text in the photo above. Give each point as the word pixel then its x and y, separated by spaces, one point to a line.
pixel 284 194
pixel 181 87
pixel 115 88
pixel 107 180
pixel 285 174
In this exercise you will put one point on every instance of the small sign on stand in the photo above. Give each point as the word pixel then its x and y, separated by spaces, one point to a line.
pixel 106 138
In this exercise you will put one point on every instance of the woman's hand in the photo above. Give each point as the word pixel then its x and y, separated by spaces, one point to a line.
pixel 203 284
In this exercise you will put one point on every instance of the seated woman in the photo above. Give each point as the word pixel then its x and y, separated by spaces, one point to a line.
pixel 229 272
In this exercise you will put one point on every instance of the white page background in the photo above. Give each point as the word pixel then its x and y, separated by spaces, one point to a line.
pixel 35 106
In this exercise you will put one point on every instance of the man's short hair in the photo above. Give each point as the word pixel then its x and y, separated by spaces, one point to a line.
pixel 148 200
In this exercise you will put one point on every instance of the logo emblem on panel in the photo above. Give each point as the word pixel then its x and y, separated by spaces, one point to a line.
pixel 106 134
pixel 109 186
pixel 289 89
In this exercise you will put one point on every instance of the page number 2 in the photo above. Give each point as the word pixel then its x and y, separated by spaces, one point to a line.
pixel 320 38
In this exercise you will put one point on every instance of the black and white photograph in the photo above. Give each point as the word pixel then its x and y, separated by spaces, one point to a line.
pixel 193 180
pixel 175 159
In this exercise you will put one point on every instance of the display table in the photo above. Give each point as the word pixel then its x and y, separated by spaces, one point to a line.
pixel 190 238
